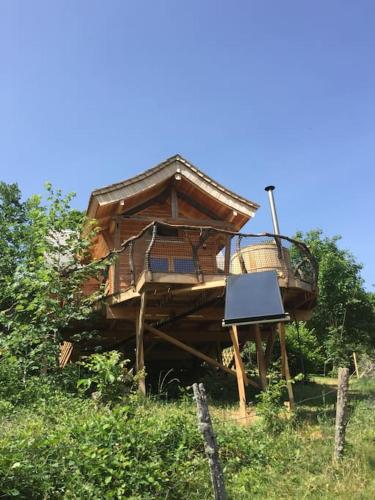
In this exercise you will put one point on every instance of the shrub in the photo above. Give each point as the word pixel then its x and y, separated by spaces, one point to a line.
pixel 108 376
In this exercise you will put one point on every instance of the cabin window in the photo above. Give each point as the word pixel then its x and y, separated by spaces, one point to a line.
pixel 167 232
pixel 159 264
pixel 184 266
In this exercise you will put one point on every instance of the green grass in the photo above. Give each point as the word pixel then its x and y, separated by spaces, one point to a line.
pixel 63 446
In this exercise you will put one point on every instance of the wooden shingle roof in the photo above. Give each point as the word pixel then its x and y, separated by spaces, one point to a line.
pixel 159 174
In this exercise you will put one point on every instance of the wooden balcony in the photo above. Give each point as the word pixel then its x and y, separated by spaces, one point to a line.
pixel 197 259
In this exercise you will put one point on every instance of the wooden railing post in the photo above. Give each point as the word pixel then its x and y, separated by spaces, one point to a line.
pixel 116 265
pixel 149 248
pixel 131 263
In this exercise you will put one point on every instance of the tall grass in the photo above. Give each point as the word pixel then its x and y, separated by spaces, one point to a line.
pixel 65 446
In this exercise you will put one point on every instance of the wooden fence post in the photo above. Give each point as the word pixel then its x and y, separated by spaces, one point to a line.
pixel 210 445
pixel 356 364
pixel 341 412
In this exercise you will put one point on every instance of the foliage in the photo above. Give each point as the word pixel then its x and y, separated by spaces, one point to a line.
pixel 13 216
pixel 66 446
pixel 44 261
pixel 108 376
pixel 303 342
pixel 270 405
pixel 344 318
pixel 55 442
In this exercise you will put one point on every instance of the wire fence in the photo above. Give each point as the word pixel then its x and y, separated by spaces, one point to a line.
pixel 321 396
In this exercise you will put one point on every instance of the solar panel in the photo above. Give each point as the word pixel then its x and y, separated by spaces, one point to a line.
pixel 253 298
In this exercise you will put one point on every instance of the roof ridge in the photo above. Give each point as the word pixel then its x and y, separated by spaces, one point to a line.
pixel 112 187
pixel 168 161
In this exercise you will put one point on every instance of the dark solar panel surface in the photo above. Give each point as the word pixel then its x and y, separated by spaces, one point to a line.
pixel 253 298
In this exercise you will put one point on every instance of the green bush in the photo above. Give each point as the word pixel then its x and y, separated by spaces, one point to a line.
pixel 107 375
pixel 303 342
pixel 66 446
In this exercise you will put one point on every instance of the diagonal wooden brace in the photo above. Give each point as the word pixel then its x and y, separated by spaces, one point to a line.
pixel 193 351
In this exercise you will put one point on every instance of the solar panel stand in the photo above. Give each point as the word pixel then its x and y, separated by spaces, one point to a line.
pixel 240 370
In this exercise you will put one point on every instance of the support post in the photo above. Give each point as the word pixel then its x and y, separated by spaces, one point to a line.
pixel 227 255
pixel 240 369
pixel 260 358
pixel 210 444
pixel 285 364
pixel 219 353
pixel 269 347
pixel 139 360
pixel 341 412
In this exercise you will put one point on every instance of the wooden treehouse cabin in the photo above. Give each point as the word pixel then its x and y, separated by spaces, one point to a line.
pixel 177 235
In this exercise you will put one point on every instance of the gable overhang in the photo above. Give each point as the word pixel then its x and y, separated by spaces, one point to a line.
pixel 153 181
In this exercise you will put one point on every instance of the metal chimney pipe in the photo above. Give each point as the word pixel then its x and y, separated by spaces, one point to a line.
pixel 271 199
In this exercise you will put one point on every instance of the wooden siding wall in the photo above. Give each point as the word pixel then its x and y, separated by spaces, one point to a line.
pixel 100 247
pixel 163 247
pixel 170 248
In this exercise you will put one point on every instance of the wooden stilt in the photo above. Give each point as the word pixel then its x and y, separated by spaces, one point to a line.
pixel 285 365
pixel 139 361
pixel 260 358
pixel 269 347
pixel 240 369
pixel 219 353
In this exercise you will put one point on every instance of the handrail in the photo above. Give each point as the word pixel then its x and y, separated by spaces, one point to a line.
pixel 206 232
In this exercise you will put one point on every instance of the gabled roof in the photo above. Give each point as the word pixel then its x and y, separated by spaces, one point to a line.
pixel 155 176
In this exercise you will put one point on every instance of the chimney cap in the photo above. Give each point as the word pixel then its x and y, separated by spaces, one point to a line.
pixel 269 188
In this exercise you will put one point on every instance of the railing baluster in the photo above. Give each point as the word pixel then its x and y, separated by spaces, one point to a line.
pixel 149 248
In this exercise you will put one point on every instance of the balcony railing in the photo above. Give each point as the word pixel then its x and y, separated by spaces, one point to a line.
pixel 203 251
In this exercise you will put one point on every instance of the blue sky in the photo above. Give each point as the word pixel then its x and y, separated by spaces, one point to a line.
pixel 252 92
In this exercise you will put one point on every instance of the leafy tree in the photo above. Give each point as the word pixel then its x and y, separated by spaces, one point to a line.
pixel 12 220
pixel 44 262
pixel 344 318
pixel 305 351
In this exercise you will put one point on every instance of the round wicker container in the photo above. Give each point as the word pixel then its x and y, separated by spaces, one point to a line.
pixel 263 257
